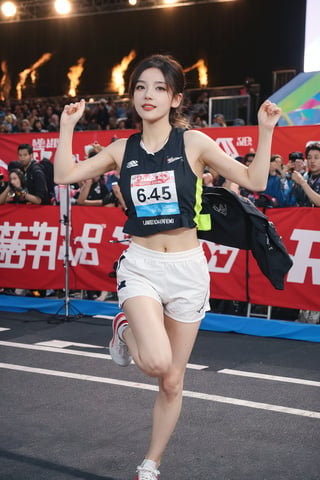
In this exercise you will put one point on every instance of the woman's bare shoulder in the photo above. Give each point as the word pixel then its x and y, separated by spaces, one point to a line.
pixel 198 142
pixel 195 136
pixel 117 145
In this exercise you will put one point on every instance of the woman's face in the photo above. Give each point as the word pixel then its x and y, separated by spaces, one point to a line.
pixel 14 180
pixel 152 97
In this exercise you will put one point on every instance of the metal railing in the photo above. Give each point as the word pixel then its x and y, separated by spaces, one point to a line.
pixel 232 107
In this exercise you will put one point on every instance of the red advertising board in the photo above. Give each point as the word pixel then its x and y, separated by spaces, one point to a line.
pixel 32 254
pixel 233 140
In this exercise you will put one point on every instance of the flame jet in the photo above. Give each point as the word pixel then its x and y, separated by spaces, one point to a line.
pixel 202 72
pixel 118 72
pixel 5 84
pixel 32 71
pixel 74 75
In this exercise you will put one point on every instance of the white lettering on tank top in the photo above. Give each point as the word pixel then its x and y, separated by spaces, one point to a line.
pixel 155 194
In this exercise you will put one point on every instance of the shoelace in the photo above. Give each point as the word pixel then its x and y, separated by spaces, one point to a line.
pixel 146 473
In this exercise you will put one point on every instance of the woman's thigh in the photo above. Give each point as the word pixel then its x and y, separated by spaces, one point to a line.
pixel 182 337
pixel 146 320
pixel 158 338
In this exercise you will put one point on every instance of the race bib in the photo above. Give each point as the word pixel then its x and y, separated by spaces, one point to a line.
pixel 154 194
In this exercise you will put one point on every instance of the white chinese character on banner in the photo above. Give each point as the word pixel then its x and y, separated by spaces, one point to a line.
pixel 14 249
pixel 52 143
pixel 85 254
pixel 45 244
pixel 38 143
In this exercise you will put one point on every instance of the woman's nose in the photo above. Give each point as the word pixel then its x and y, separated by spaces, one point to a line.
pixel 148 93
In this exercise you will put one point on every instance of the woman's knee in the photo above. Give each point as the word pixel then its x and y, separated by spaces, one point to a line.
pixel 156 364
pixel 171 384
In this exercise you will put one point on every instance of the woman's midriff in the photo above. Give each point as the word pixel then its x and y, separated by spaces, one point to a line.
pixel 171 241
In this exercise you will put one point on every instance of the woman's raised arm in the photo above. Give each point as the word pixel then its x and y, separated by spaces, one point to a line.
pixel 65 170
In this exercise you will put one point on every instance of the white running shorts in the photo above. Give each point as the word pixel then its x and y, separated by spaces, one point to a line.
pixel 179 281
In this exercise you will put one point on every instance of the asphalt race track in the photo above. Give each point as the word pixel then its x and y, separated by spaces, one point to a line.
pixel 251 408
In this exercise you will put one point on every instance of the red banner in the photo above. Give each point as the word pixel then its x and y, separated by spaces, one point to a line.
pixel 45 144
pixel 233 140
pixel 300 232
pixel 32 247
pixel 33 254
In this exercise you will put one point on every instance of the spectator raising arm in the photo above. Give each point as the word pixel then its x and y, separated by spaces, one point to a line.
pixel 313 196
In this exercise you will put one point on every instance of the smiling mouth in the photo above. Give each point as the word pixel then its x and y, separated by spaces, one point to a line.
pixel 148 106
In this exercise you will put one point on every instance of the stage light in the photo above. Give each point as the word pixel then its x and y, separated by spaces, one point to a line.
pixel 34 10
pixel 62 7
pixel 8 9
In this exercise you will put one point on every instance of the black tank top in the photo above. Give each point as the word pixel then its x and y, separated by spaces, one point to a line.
pixel 160 190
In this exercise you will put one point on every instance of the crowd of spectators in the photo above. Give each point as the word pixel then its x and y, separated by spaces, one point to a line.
pixel 35 115
pixel 292 182
pixel 42 115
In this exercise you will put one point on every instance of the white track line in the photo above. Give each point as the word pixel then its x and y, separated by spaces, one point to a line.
pixel 276 378
pixel 58 349
pixel 65 344
pixel 144 386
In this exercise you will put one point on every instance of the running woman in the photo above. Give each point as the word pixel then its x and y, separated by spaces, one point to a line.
pixel 163 278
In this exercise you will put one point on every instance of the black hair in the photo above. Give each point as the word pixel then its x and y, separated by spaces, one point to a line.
pixel 312 146
pixel 26 146
pixel 293 156
pixel 14 164
pixel 174 77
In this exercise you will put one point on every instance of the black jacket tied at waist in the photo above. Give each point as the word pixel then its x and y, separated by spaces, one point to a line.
pixel 236 222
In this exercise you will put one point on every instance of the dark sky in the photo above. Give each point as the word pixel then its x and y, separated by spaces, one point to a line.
pixel 236 39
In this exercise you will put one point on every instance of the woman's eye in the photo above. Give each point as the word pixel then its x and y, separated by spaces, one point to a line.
pixel 139 87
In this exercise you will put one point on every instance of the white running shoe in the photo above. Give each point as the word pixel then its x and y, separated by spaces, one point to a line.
pixel 118 348
pixel 147 471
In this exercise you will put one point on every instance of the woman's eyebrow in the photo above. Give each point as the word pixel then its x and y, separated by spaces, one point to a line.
pixel 157 81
